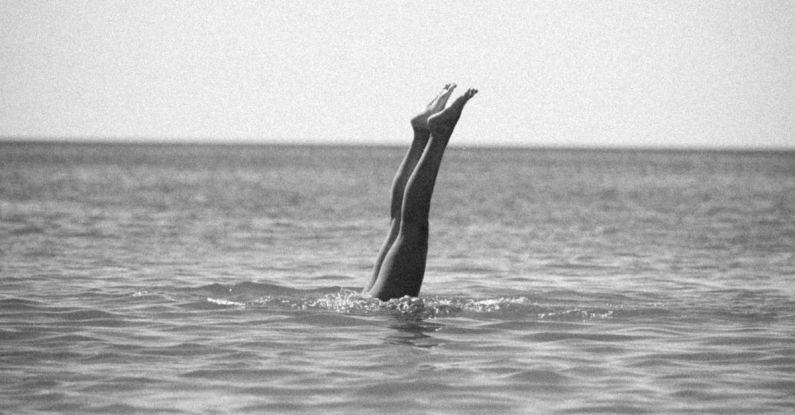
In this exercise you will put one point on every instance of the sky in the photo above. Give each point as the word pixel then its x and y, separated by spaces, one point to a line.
pixel 568 73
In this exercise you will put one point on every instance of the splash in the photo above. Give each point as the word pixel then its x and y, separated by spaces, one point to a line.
pixel 349 301
pixel 221 301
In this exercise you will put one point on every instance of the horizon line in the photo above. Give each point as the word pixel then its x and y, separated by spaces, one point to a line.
pixel 122 140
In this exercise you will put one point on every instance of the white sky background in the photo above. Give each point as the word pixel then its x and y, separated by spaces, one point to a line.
pixel 590 73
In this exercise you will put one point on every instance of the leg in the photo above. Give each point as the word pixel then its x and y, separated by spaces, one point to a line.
pixel 421 134
pixel 403 266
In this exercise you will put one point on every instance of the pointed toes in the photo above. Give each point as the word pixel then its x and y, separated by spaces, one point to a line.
pixel 469 94
pixel 448 89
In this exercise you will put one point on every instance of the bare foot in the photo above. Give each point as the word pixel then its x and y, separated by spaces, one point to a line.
pixel 420 121
pixel 442 123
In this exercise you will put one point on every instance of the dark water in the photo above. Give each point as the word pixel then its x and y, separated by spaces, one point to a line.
pixel 224 279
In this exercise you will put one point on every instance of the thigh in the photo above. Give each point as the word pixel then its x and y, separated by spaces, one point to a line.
pixel 403 267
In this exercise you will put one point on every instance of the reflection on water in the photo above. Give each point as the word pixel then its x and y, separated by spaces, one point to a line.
pixel 411 332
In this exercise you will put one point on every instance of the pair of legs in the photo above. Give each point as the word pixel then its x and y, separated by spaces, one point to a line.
pixel 400 265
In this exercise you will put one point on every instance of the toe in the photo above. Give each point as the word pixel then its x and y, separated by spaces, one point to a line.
pixel 448 91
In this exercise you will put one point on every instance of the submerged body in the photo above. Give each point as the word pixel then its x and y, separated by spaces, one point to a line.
pixel 400 264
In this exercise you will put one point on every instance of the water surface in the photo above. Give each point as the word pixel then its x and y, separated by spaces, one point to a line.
pixel 224 279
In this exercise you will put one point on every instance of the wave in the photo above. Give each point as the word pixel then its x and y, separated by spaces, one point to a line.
pixel 536 305
pixel 251 295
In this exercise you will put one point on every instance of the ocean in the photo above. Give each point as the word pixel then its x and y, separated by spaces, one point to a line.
pixel 155 278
